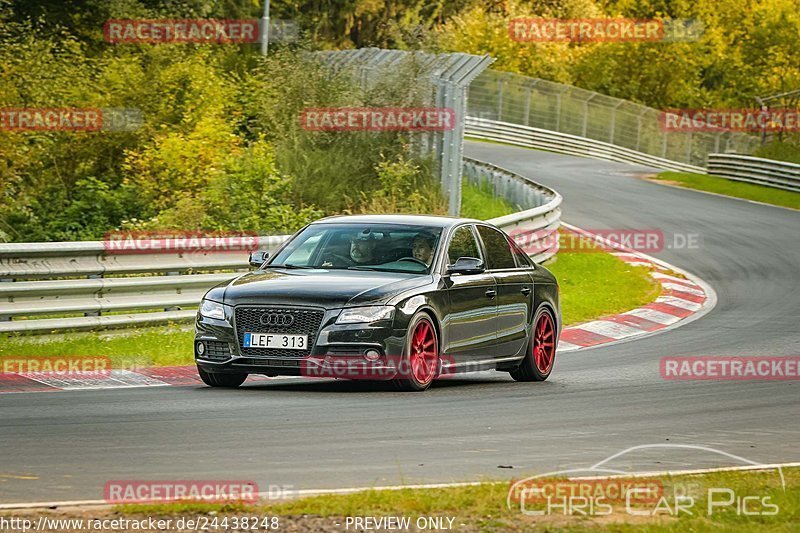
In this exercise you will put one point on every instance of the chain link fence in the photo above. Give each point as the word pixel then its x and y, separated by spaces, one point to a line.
pixel 448 77
pixel 547 105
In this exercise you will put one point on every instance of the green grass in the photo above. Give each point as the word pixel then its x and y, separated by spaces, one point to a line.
pixel 595 284
pixel 483 507
pixel 480 202
pixel 737 189
pixel 127 348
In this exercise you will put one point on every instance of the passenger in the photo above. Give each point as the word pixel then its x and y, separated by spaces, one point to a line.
pixel 422 249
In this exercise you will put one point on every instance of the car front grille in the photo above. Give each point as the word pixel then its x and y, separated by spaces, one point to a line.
pixel 304 322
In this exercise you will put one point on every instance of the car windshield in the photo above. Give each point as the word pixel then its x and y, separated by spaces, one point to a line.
pixel 380 247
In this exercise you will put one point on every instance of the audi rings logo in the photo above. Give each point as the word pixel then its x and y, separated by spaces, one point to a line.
pixel 275 319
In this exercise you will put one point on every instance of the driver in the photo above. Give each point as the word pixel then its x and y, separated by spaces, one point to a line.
pixel 422 249
pixel 362 248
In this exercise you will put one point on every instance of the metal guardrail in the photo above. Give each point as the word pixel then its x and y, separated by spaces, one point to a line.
pixel 134 288
pixel 112 289
pixel 567 144
pixel 777 174
pixel 534 227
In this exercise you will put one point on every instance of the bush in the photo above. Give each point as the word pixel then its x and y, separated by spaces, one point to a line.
pixel 220 148
pixel 788 150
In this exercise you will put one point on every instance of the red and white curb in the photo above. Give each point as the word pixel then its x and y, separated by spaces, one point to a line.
pixel 684 298
pixel 164 376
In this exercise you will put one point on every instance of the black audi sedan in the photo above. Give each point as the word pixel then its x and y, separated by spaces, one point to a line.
pixel 385 297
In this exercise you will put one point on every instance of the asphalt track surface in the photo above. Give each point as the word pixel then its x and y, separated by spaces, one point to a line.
pixel 329 434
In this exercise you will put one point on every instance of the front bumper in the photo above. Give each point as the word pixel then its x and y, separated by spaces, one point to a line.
pixel 337 350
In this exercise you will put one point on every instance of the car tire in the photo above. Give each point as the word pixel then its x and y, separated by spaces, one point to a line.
pixel 420 361
pixel 541 353
pixel 228 381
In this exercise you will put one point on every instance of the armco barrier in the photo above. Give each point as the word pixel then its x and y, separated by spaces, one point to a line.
pixel 108 290
pixel 539 216
pixel 777 174
pixel 565 143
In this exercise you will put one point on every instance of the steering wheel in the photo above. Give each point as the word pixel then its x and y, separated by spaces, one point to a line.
pixel 413 260
pixel 336 259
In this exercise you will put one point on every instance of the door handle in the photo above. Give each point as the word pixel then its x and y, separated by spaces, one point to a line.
pixel 491 293
pixel 525 290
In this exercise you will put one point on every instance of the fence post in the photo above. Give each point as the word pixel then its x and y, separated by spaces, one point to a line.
pixel 586 116
pixel 500 101
pixel 614 122
pixel 528 106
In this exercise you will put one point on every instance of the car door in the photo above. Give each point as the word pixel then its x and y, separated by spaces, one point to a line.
pixel 469 328
pixel 514 292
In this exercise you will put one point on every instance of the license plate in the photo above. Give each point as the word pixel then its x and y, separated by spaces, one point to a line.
pixel 275 340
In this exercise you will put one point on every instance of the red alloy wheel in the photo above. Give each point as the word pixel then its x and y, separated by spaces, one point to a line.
pixel 423 356
pixel 544 347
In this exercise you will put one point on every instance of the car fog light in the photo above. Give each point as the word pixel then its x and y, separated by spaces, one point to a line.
pixel 372 355
pixel 201 348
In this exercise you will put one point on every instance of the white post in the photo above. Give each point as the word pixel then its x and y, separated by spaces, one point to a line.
pixel 265 29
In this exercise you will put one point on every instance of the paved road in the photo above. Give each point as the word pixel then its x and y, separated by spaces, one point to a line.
pixel 64 446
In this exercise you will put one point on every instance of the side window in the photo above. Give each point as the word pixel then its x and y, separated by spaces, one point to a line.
pixel 498 250
pixel 522 258
pixel 462 244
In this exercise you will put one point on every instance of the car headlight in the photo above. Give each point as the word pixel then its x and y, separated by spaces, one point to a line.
pixel 211 309
pixel 358 315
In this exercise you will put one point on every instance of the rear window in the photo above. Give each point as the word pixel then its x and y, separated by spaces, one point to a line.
pixel 498 250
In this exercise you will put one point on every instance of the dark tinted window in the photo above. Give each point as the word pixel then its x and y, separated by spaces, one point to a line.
pixel 498 250
pixel 462 244
pixel 522 258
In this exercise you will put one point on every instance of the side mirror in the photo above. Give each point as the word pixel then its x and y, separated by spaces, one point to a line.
pixel 257 258
pixel 466 265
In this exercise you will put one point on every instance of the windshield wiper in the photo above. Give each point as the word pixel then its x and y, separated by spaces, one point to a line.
pixel 288 265
pixel 359 267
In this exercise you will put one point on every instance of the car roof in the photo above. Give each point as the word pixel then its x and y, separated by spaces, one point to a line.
pixel 415 220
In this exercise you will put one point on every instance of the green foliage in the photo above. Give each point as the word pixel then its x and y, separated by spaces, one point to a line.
pixel 786 150
pixel 746 50
pixel 404 188
pixel 337 170
pixel 220 148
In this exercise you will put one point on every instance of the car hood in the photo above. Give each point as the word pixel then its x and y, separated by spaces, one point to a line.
pixel 317 287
